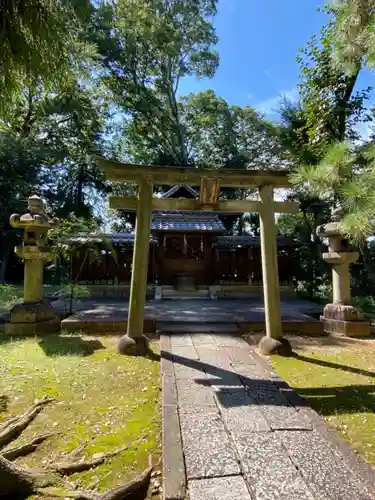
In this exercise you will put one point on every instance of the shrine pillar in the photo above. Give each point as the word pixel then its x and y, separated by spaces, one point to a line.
pixel 134 342
pixel 273 342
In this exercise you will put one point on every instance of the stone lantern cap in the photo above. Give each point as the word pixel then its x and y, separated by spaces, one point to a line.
pixel 35 218
pixel 332 228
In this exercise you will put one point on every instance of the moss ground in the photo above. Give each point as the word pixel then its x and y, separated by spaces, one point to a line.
pixel 102 399
pixel 338 378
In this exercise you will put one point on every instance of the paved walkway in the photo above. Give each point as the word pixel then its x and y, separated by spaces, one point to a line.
pixel 232 430
pixel 241 311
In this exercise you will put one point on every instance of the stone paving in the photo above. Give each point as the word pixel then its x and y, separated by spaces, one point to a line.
pixel 239 434
pixel 101 312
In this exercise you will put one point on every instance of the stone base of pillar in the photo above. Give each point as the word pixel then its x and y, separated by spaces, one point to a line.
pixel 137 346
pixel 347 328
pixel 37 318
pixel 345 320
pixel 269 346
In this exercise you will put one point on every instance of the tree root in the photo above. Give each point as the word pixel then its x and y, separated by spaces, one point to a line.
pixel 25 449
pixel 15 426
pixel 133 490
pixel 68 468
pixel 17 482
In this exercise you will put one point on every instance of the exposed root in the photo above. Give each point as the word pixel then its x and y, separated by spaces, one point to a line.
pixel 17 482
pixel 134 489
pixel 25 449
pixel 68 468
pixel 14 429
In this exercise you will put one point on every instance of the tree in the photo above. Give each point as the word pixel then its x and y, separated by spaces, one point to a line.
pixel 354 35
pixel 146 48
pixel 37 38
pixel 220 135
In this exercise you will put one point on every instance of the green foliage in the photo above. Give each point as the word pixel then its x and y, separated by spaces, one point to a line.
pixel 330 106
pixel 146 48
pixel 354 33
pixel 37 40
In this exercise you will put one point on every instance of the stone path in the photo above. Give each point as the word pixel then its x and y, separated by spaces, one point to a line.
pixel 232 430
pixel 100 313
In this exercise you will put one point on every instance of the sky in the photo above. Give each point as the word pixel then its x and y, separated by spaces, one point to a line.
pixel 259 42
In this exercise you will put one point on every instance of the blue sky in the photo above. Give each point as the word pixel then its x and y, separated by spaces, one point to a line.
pixel 259 42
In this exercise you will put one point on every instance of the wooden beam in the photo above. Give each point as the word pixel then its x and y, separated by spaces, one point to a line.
pixel 223 206
pixel 123 172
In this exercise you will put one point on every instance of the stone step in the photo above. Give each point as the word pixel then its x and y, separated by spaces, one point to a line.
pixel 171 327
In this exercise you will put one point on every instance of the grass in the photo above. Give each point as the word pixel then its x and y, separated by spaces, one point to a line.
pixel 338 378
pixel 11 295
pixel 101 398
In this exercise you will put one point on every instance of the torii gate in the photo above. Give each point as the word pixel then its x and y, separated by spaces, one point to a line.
pixel 210 181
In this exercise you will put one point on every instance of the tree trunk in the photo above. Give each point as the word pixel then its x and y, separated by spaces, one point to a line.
pixel 4 263
pixel 14 481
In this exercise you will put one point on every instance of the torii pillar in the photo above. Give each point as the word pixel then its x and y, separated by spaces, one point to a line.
pixel 134 342
pixel 273 342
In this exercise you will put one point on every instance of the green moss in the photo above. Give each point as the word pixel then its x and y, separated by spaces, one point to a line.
pixel 340 385
pixel 102 398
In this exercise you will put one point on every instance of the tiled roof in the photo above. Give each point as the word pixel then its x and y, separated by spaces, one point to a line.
pixel 186 221
pixel 198 224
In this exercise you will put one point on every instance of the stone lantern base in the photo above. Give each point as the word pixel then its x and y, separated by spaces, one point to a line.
pixel 345 320
pixel 36 318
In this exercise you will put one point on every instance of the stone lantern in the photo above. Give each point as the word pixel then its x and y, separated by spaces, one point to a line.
pixel 341 316
pixel 34 315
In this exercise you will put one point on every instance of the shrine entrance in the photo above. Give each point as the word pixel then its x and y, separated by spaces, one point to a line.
pixel 210 182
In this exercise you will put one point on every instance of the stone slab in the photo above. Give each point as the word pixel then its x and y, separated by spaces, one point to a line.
pixel 269 471
pixel 323 469
pixel 188 352
pixel 174 478
pixel 219 488
pixel 182 339
pixel 187 327
pixel 202 339
pixel 250 373
pixel 276 408
pixel 214 356
pixel 347 328
pixel 207 448
pixel 189 371
pixel 239 354
pixel 241 414
pixel 169 390
pixel 194 395
pixel 227 340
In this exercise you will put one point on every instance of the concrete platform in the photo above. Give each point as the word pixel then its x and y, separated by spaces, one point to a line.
pixel 247 315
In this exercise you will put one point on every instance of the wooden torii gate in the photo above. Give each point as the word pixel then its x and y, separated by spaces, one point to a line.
pixel 210 182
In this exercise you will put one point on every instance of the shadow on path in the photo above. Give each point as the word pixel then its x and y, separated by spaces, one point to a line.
pixel 325 400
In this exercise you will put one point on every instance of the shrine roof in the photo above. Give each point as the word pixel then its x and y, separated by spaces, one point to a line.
pixel 187 222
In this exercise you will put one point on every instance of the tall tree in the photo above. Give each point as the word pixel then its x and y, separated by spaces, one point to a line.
pixel 147 47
